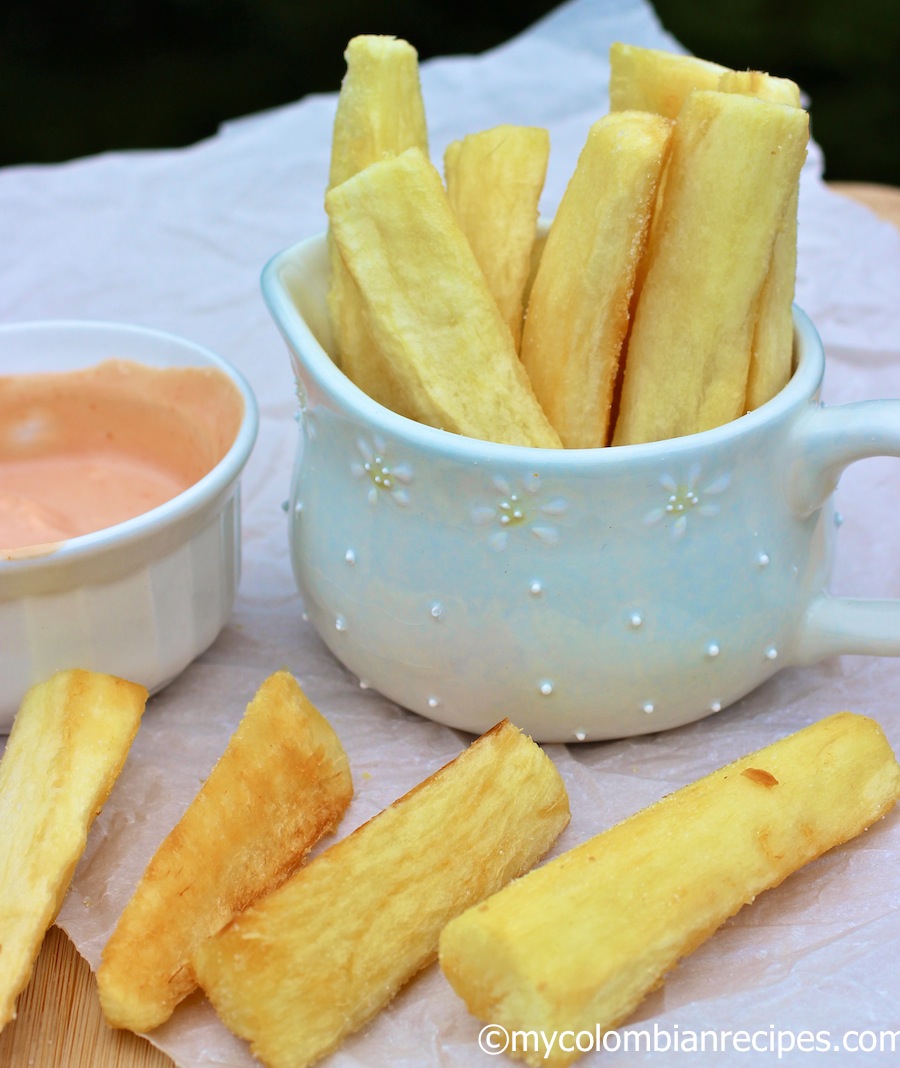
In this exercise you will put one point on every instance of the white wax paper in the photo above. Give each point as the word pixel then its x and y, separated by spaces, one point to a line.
pixel 176 240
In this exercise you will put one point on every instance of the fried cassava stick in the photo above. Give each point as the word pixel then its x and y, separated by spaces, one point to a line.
pixel 733 167
pixel 578 310
pixel 282 783
pixel 428 306
pixel 316 959
pixel 380 112
pixel 68 744
pixel 578 943
pixel 494 182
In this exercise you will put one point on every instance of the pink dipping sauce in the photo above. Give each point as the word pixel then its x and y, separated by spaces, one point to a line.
pixel 84 450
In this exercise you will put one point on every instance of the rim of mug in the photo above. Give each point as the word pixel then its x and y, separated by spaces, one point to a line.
pixel 806 379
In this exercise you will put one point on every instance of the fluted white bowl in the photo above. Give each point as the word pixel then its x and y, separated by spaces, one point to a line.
pixel 143 598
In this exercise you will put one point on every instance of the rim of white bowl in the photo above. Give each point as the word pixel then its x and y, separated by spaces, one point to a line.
pixel 804 383
pixel 170 512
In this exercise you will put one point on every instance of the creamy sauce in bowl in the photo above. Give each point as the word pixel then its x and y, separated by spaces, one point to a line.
pixel 84 450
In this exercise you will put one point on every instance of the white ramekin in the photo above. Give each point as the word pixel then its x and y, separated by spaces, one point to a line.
pixel 143 598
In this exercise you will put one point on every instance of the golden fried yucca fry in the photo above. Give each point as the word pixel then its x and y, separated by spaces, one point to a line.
pixel 494 182
pixel 771 359
pixel 654 80
pixel 650 79
pixel 428 306
pixel 537 251
pixel 772 352
pixel 67 746
pixel 733 167
pixel 759 83
pixel 282 783
pixel 659 81
pixel 578 308
pixel 578 943
pixel 380 112
pixel 315 960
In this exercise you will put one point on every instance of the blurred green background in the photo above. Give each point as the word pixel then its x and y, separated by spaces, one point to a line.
pixel 82 76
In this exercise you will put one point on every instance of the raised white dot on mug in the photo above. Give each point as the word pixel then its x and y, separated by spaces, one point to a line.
pixel 580 736
pixel 635 620
pixel 363 685
pixel 436 610
pixel 715 706
pixel 771 653
pixel 712 650
pixel 350 557
pixel 340 623
pixel 536 588
pixel 762 560
pixel 298 508
pixel 546 687
pixel 433 702
pixel 648 707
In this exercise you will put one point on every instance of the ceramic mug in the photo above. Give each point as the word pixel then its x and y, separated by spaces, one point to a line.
pixel 586 594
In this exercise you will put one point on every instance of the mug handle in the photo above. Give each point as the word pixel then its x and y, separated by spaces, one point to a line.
pixel 827 440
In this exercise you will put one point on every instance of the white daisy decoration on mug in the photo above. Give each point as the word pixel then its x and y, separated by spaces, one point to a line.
pixel 383 477
pixel 519 508
pixel 685 499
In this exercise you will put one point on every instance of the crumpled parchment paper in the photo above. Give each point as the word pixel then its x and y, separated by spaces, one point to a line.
pixel 176 240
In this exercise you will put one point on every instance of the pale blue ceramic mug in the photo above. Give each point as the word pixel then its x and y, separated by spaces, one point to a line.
pixel 586 594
